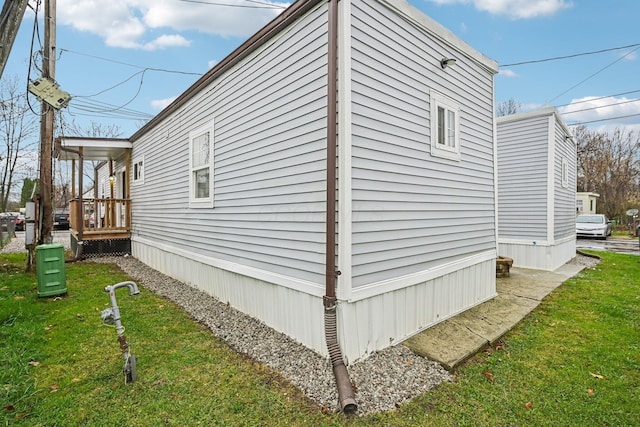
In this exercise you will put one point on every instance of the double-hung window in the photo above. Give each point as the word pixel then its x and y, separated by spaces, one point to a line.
pixel 445 127
pixel 201 167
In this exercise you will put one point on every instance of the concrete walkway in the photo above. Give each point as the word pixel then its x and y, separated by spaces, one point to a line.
pixel 456 339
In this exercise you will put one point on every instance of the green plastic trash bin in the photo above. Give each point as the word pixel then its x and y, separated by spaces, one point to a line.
pixel 52 279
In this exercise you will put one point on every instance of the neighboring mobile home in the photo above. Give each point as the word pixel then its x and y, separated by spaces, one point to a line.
pixel 536 189
pixel 233 197
pixel 586 202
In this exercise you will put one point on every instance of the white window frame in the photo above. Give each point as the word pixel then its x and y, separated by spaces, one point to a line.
pixel 565 173
pixel 201 202
pixel 441 148
pixel 137 170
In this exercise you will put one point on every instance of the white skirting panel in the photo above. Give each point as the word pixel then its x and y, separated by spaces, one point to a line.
pixel 526 254
pixel 364 326
pixel 390 318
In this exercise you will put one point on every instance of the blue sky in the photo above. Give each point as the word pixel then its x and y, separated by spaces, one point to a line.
pixel 125 60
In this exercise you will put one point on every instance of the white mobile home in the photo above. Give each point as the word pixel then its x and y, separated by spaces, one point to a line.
pixel 586 202
pixel 237 177
pixel 536 189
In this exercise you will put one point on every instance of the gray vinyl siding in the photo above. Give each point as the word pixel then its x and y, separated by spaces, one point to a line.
pixel 269 154
pixel 412 211
pixel 102 183
pixel 523 149
pixel 564 197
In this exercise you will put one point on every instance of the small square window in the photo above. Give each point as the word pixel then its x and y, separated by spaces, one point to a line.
pixel 445 127
pixel 201 167
pixel 138 172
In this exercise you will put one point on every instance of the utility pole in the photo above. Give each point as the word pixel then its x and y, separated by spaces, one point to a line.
pixel 46 127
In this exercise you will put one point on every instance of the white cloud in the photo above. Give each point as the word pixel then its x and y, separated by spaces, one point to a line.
pixel 516 9
pixel 507 73
pixel 129 23
pixel 163 41
pixel 597 109
pixel 630 56
pixel 212 63
pixel 160 104
pixel 225 21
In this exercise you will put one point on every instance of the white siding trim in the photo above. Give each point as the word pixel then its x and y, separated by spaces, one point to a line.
pixel 495 166
pixel 315 289
pixel 372 289
pixel 536 242
pixel 528 242
pixel 345 283
pixel 551 169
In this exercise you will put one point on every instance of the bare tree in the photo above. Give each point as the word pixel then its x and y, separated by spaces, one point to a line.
pixel 18 138
pixel 609 165
pixel 506 108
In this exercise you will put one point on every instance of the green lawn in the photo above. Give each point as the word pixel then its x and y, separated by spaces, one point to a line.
pixel 574 361
pixel 622 234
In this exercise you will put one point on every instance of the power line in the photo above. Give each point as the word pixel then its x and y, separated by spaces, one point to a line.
pixel 603 120
pixel 107 114
pixel 142 71
pixel 264 4
pixel 602 106
pixel 111 87
pixel 163 70
pixel 600 97
pixel 556 58
pixel 102 107
pixel 596 73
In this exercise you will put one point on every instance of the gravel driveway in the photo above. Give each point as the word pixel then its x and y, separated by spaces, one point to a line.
pixel 17 243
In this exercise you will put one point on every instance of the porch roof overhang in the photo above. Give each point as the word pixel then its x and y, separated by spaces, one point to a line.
pixel 101 149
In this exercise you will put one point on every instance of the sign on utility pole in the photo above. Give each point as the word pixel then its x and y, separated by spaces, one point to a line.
pixel 46 127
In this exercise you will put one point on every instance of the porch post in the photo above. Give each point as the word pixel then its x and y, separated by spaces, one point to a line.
pixel 110 213
pixel 127 186
pixel 73 178
pixel 80 220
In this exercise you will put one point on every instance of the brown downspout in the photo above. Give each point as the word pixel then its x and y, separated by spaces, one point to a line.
pixel 346 396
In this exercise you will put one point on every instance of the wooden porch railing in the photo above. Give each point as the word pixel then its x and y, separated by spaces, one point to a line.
pixel 101 215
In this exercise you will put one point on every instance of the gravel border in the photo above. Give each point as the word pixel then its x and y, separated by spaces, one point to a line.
pixel 384 381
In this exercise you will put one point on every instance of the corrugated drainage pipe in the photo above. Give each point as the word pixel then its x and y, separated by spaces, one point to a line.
pixel 346 396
